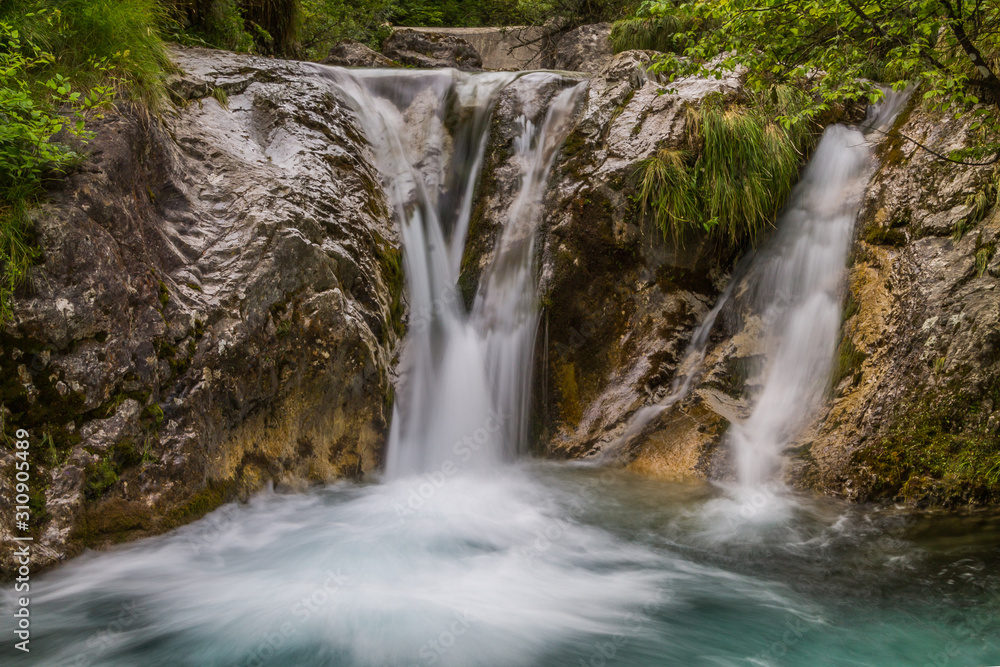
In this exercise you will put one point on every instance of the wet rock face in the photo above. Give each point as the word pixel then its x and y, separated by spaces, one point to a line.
pixel 351 53
pixel 620 304
pixel 583 49
pixel 214 308
pixel 917 385
pixel 431 50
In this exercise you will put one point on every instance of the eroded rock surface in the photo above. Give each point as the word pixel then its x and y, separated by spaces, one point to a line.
pixel 216 308
pixel 419 48
pixel 351 53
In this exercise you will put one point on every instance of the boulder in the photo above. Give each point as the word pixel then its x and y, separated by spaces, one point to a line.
pixel 351 53
pixel 583 49
pixel 425 49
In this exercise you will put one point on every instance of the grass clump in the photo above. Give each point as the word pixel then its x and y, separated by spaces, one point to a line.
pixel 731 178
pixel 984 253
pixel 62 62
pixel 653 29
pixel 99 43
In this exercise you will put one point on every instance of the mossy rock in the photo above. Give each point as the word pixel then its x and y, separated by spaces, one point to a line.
pixel 113 520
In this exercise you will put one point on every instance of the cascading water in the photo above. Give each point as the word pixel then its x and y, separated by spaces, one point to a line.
pixel 463 395
pixel 534 564
pixel 795 288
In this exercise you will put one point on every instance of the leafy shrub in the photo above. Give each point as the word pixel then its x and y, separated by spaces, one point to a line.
pixel 28 156
pixel 99 42
pixel 258 26
pixel 326 22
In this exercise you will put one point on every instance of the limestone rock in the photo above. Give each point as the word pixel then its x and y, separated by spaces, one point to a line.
pixel 212 310
pixel 431 50
pixel 583 49
pixel 351 53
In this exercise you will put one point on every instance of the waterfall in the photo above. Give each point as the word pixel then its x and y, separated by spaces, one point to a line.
pixel 463 395
pixel 795 287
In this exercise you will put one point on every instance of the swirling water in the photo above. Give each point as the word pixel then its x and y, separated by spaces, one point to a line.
pixel 537 564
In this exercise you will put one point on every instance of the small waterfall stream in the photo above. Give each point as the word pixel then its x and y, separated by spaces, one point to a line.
pixel 793 287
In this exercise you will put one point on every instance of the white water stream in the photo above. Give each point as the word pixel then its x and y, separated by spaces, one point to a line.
pixel 794 287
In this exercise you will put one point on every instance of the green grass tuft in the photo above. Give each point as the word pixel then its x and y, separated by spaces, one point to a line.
pixel 670 33
pixel 984 253
pixel 101 42
pixel 735 173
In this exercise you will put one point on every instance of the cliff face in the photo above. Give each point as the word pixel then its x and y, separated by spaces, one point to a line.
pixel 216 307
pixel 220 301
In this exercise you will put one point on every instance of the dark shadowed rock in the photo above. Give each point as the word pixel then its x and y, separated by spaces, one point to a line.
pixel 431 50
pixel 351 53
pixel 583 49
pixel 622 302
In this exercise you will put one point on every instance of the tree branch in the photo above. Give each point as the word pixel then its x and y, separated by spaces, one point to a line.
pixel 864 17
pixel 990 80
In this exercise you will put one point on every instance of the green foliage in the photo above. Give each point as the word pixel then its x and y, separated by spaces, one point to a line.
pixel 100 477
pixel 734 174
pixel 99 43
pixel 222 97
pixel 657 27
pixel 983 201
pixel 327 22
pixel 984 253
pixel 841 50
pixel 668 191
pixel 209 23
pixel 31 97
pixel 273 23
pixel 568 13
pixel 253 26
